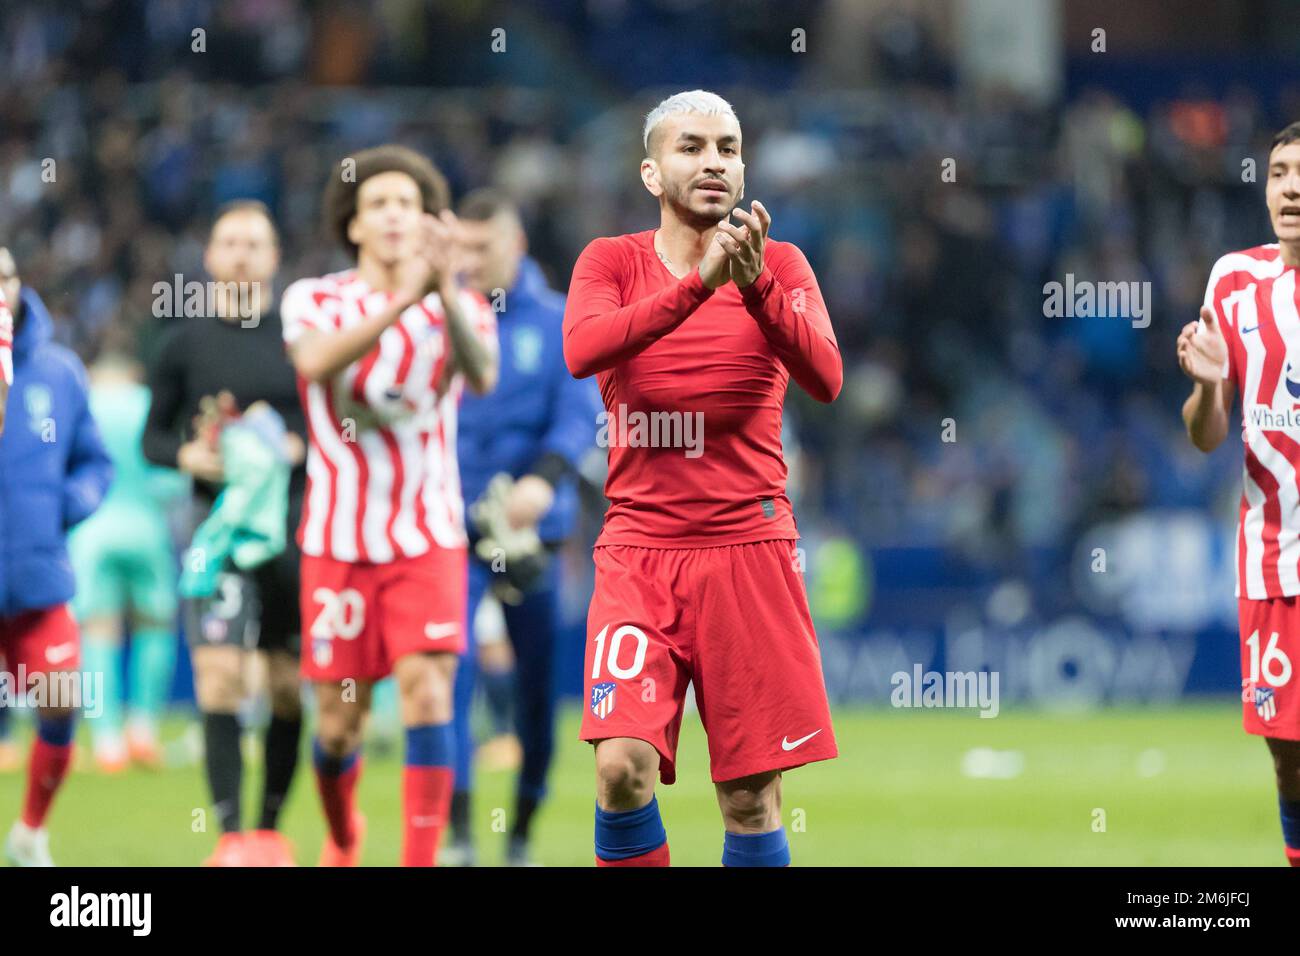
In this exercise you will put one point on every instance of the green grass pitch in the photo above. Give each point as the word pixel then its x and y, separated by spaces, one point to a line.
pixel 1172 786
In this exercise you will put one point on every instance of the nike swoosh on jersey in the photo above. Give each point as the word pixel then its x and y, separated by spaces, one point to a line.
pixel 59 653
pixel 436 632
pixel 788 744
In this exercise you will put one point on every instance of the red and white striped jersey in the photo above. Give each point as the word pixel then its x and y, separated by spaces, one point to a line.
pixel 382 478
pixel 1254 295
pixel 6 341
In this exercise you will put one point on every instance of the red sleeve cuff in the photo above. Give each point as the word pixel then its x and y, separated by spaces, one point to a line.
pixel 756 290
pixel 695 286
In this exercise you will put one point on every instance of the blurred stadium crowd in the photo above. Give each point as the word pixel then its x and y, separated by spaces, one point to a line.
pixel 935 287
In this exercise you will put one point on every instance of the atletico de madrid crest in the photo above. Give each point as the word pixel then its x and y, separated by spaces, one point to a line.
pixel 1265 703
pixel 602 700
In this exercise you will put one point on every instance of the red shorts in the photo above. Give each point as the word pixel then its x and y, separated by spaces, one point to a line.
pixel 358 619
pixel 734 621
pixel 43 641
pixel 1270 651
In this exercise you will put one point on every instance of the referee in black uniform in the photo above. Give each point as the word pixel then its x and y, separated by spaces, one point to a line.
pixel 237 350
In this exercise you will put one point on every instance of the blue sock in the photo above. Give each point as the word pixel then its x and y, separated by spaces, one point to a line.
pixel 1290 810
pixel 756 849
pixel 331 766
pixel 56 733
pixel 430 745
pixel 621 834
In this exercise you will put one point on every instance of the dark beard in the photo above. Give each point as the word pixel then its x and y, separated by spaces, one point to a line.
pixel 677 198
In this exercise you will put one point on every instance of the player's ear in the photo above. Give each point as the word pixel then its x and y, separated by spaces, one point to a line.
pixel 650 177
pixel 353 232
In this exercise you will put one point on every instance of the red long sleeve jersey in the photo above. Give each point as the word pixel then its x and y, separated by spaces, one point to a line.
pixel 693 381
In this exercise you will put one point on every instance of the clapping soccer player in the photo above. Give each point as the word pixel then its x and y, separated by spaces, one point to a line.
pixel 694 330
pixel 1247 342
pixel 382 353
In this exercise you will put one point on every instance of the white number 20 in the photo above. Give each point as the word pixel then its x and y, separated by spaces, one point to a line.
pixel 615 642
pixel 342 613
pixel 1272 655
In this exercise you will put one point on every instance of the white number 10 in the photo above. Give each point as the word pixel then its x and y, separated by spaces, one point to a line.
pixel 638 661
pixel 1272 654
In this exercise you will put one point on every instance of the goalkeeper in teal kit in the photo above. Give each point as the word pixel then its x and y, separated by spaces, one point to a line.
pixel 126 569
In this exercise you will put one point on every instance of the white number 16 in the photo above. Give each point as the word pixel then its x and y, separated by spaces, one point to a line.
pixel 1272 655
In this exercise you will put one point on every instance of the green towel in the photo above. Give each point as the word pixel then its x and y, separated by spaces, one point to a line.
pixel 247 523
